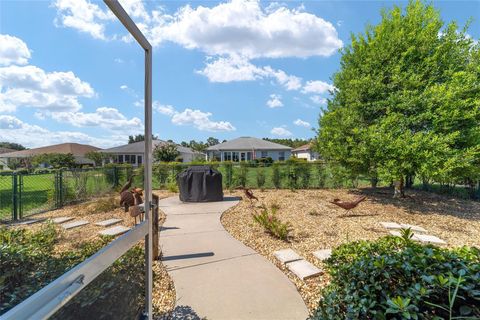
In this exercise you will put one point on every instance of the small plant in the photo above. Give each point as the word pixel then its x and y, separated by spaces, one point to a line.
pixel 260 178
pixel 172 186
pixel 241 178
pixel 272 224
pixel 275 205
pixel 313 212
pixel 276 175
pixel 103 205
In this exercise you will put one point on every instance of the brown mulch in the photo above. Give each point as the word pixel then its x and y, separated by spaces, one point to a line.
pixel 317 224
pixel 163 289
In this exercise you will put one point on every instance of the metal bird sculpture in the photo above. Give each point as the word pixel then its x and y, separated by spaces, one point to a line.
pixel 348 205
pixel 248 193
pixel 129 198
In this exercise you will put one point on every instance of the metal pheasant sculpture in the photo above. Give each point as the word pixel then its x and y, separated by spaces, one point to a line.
pixel 348 205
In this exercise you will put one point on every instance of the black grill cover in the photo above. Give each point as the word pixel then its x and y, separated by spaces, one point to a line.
pixel 200 184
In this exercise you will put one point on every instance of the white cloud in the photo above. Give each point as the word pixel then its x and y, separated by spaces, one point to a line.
pixel 280 131
pixel 201 121
pixel 13 129
pixel 104 117
pixel 40 115
pixel 236 27
pixel 31 86
pixel 301 123
pixel 235 68
pixel 124 87
pixel 164 109
pixel 275 101
pixel 118 60
pixel 13 50
pixel 318 99
pixel 245 28
pixel 83 16
pixel 318 87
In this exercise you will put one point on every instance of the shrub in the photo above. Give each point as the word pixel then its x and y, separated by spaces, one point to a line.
pixel 172 185
pixel 161 171
pixel 321 175
pixel 241 179
pixel 272 224
pixel 395 278
pixel 260 178
pixel 228 174
pixel 276 175
pixel 103 205
pixel 304 175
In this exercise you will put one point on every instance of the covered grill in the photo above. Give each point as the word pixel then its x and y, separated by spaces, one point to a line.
pixel 200 184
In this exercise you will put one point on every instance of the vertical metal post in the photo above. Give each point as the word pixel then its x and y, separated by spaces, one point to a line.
pixel 14 197
pixel 148 182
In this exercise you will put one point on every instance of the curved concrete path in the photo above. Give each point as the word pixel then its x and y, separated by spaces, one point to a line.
pixel 218 276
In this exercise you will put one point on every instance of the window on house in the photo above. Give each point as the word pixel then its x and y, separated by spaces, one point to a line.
pixel 227 156
pixel 264 154
pixel 139 159
pixel 281 156
pixel 120 158
pixel 127 158
pixel 235 156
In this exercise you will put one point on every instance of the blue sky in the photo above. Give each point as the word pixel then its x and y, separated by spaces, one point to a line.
pixel 70 73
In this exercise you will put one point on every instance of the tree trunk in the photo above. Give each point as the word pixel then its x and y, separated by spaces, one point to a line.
pixel 399 191
pixel 409 181
pixel 374 182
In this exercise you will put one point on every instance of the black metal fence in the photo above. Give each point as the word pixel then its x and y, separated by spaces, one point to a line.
pixel 24 194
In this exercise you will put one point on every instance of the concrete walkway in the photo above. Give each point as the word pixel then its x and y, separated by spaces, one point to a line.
pixel 216 275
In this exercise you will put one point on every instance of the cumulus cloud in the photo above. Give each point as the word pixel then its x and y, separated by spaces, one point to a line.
pixel 275 101
pixel 201 121
pixel 236 27
pixel 318 99
pixel 83 16
pixel 31 86
pixel 318 87
pixel 280 131
pixel 236 68
pixel 301 123
pixel 104 117
pixel 13 50
pixel 14 129
pixel 167 110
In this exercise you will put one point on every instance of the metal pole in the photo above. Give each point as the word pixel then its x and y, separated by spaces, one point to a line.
pixel 125 19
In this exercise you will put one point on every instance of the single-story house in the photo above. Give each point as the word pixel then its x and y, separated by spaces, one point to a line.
pixel 133 153
pixel 306 152
pixel 78 150
pixel 246 149
pixel 3 161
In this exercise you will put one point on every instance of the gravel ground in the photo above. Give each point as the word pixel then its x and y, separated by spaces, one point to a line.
pixel 317 224
pixel 163 290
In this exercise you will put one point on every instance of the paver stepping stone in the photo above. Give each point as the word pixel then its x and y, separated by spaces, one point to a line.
pixel 286 255
pixel 303 269
pixel 114 231
pixel 429 239
pixel 109 222
pixel 412 227
pixel 59 220
pixel 323 254
pixel 74 224
pixel 391 225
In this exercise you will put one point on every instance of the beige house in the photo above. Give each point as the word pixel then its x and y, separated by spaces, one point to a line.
pixel 305 152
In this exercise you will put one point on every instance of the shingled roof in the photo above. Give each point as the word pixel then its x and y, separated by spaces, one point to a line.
pixel 74 148
pixel 249 144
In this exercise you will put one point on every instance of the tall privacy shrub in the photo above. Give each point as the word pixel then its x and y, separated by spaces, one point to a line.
pixel 260 177
pixel 304 174
pixel 242 174
pixel 321 175
pixel 228 174
pixel 276 175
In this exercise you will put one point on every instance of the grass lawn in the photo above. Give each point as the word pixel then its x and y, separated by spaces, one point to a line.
pixel 317 224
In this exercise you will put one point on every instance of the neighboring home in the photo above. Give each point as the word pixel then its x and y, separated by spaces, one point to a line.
pixel 133 153
pixel 246 149
pixel 78 151
pixel 3 161
pixel 305 152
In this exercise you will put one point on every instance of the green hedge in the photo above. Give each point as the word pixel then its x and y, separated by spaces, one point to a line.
pixel 395 278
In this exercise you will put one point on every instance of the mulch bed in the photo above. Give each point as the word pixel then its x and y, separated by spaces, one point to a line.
pixel 317 224
pixel 163 290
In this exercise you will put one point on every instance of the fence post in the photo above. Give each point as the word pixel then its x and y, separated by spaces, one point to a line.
pixel 14 196
pixel 115 177
pixel 58 189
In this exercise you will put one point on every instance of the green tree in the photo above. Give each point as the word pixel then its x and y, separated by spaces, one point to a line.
pixel 211 141
pixel 56 160
pixel 165 153
pixel 407 100
pixel 138 138
pixel 97 157
pixel 12 145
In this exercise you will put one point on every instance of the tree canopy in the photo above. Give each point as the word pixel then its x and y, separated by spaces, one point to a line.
pixel 139 137
pixel 293 143
pixel 407 100
pixel 12 145
pixel 56 160
pixel 165 153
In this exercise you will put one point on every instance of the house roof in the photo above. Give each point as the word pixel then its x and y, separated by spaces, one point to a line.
pixel 6 150
pixel 248 143
pixel 139 147
pixel 305 147
pixel 74 148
